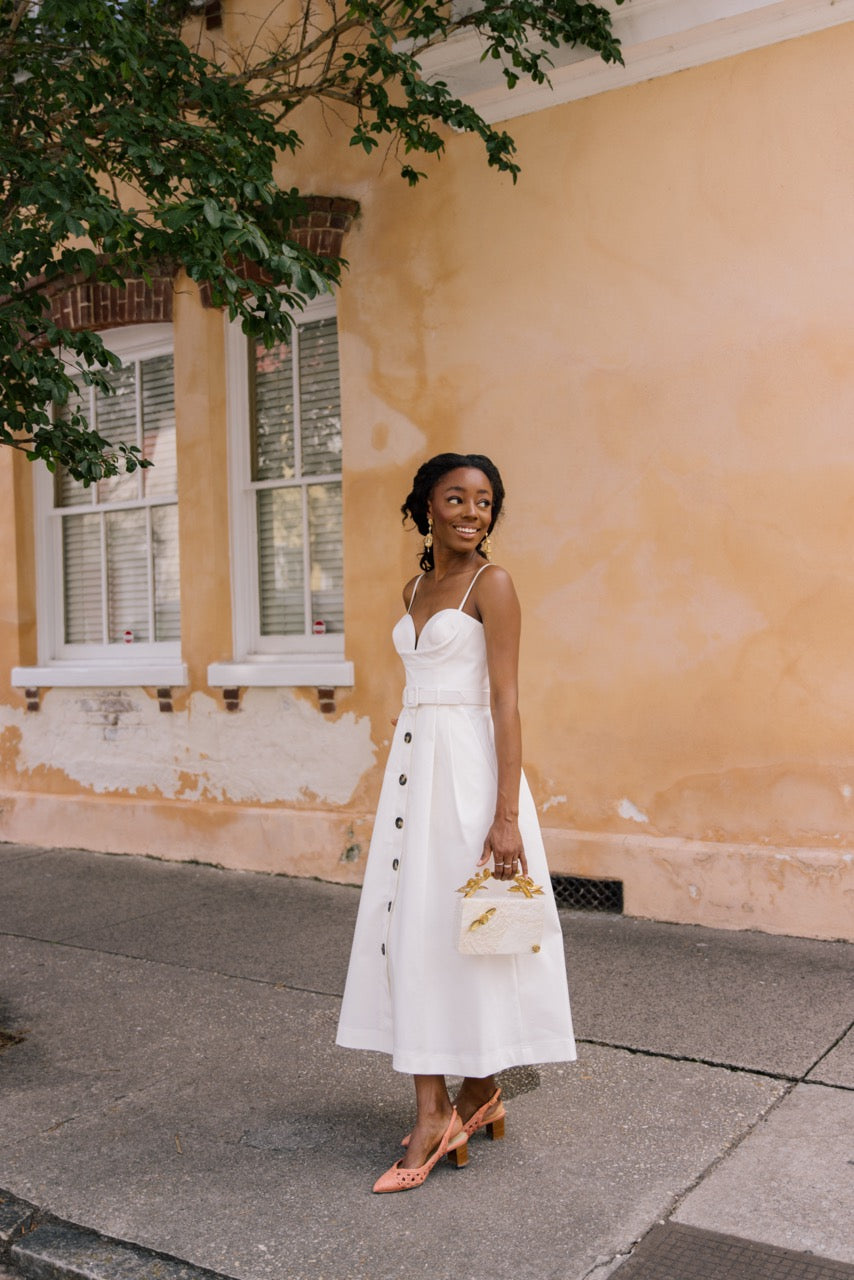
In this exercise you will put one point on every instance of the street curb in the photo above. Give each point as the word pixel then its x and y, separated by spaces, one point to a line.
pixel 16 1217
pixel 41 1247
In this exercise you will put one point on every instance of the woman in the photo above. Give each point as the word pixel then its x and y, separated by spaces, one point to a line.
pixel 453 800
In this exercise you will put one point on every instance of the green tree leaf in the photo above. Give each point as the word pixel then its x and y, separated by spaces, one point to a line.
pixel 125 148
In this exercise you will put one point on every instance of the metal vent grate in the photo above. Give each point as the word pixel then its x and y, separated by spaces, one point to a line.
pixel 581 893
pixel 671 1249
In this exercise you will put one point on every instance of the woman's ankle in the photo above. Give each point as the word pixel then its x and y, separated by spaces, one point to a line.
pixel 477 1090
pixel 435 1115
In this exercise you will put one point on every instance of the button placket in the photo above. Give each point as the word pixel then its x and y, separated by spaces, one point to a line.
pixel 402 763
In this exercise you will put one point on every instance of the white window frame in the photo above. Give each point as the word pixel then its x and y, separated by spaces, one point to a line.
pixel 154 663
pixel 264 660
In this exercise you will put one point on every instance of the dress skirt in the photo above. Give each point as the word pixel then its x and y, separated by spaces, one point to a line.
pixel 410 993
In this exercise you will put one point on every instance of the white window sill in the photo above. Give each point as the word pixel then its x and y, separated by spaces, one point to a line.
pixel 161 673
pixel 331 672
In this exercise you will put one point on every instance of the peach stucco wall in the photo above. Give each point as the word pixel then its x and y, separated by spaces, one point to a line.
pixel 651 334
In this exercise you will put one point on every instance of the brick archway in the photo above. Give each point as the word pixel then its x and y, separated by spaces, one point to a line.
pixel 321 230
pixel 77 304
pixel 85 304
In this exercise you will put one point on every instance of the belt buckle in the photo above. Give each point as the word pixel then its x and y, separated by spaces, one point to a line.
pixel 410 696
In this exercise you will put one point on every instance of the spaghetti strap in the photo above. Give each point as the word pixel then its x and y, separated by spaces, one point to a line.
pixel 471 584
pixel 414 589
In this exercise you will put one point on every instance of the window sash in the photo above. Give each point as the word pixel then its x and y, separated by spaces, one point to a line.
pixel 297 564
pixel 300 562
pixel 127 601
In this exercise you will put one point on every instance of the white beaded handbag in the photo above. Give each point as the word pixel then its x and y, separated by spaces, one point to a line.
pixel 500 921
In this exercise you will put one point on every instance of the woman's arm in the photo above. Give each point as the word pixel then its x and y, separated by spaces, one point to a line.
pixel 500 614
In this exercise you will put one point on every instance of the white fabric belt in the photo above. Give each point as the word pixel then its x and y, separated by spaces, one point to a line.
pixel 414 696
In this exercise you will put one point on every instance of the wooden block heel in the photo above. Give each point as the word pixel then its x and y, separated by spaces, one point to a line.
pixel 459 1155
pixel 495 1128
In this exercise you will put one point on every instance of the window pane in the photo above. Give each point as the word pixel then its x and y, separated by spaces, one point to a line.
pixel 320 406
pixel 81 559
pixel 158 426
pixel 280 562
pixel 273 435
pixel 115 420
pixel 71 493
pixel 327 567
pixel 127 575
pixel 167 597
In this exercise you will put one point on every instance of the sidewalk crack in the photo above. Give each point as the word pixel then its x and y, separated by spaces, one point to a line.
pixel 276 984
pixel 685 1057
pixel 729 1148
pixel 837 1042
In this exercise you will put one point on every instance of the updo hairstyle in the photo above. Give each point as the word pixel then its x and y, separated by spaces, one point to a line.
pixel 428 476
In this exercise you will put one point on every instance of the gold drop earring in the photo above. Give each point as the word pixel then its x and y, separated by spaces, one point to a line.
pixel 486 547
pixel 428 537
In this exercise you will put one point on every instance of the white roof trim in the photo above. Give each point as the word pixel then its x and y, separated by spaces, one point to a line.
pixel 658 37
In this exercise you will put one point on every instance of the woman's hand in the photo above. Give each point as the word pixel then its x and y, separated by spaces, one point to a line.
pixel 503 844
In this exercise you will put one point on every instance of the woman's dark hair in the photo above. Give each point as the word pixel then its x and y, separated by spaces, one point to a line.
pixel 428 476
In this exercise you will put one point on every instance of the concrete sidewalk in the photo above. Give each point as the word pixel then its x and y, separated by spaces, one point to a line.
pixel 176 1085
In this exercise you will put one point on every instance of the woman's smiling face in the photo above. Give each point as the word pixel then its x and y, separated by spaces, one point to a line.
pixel 461 509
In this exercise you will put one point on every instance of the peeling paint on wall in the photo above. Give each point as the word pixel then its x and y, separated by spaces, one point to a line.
pixel 353 850
pixel 277 749
pixel 551 802
pixel 631 812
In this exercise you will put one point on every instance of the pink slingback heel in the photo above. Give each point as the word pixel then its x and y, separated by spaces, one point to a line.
pixel 494 1124
pixel 397 1179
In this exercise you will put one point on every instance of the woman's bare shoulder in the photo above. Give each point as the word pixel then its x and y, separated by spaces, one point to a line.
pixel 496 580
pixel 494 589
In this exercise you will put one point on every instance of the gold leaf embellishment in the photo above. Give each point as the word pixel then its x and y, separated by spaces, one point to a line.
pixel 482 920
pixel 470 888
pixel 525 885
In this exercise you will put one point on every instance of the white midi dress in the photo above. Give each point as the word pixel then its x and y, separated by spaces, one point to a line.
pixel 409 991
